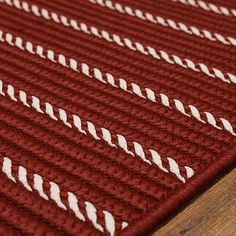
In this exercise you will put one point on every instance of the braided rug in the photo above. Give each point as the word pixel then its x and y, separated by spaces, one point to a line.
pixel 114 114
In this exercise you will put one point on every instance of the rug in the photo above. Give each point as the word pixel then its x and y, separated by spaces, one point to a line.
pixel 114 114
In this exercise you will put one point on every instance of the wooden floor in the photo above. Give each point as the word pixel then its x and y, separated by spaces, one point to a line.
pixel 211 214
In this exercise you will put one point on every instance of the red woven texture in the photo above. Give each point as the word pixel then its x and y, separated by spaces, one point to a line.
pixel 113 114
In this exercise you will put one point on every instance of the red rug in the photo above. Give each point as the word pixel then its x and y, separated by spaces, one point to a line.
pixel 113 114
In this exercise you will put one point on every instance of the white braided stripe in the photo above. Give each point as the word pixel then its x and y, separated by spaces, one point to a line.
pixel 179 26
pixel 120 83
pixel 123 42
pixel 209 7
pixel 115 140
pixel 72 200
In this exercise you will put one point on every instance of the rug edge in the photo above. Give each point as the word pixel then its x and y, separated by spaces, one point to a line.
pixel 146 224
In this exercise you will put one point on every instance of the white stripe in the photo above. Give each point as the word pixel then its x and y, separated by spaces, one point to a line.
pixel 174 168
pixel 106 134
pixel 123 144
pixel 23 98
pixel 92 215
pixel 189 171
pixel 78 124
pixel 1 88
pixel 228 126
pixel 36 104
pixel 38 185
pixel 22 173
pixel 156 158
pixel 92 130
pixel 136 46
pixel 196 113
pixel 55 194
pixel 136 89
pixel 49 111
pixel 211 119
pixel 7 167
pixel 63 117
pixel 110 223
pixel 11 93
pixel 139 151
pixel 209 7
pixel 73 203
pixel 149 95
pixel 179 26
pixel 124 225
pixel 180 107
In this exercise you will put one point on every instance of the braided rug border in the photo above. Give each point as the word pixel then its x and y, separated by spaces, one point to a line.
pixel 183 196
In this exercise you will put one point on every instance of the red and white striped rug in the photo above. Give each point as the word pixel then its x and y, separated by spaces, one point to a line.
pixel 113 113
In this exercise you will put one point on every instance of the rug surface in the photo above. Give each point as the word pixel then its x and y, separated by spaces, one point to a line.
pixel 114 114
